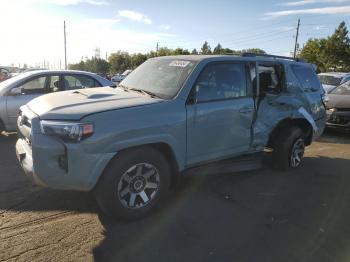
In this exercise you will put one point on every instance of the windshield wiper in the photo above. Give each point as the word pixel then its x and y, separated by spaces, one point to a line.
pixel 145 92
pixel 125 88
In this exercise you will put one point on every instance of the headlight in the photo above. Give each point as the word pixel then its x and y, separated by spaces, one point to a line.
pixel 73 132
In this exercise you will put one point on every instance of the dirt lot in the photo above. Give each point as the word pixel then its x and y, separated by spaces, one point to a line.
pixel 263 215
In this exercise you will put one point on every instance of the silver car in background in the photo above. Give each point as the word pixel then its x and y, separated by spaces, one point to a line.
pixel 331 80
pixel 19 90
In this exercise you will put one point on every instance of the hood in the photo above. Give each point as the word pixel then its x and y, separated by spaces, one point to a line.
pixel 338 101
pixel 74 105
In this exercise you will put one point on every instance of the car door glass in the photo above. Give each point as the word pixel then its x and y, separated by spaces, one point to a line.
pixel 72 82
pixel 54 84
pixel 34 86
pixel 269 79
pixel 221 81
pixel 306 77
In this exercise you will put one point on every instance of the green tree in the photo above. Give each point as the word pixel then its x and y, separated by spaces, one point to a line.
pixel 312 53
pixel 218 50
pixel 206 49
pixel 77 66
pixel 95 65
pixel 137 59
pixel 257 51
pixel 194 52
pixel 119 62
pixel 331 53
pixel 164 51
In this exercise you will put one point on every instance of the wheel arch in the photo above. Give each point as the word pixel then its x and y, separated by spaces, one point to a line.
pixel 302 123
pixel 164 148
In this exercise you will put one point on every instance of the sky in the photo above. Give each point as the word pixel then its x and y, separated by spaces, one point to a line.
pixel 32 30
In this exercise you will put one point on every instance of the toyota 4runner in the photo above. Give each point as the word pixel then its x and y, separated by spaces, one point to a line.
pixel 172 114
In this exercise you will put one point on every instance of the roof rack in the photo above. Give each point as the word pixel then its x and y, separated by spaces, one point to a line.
pixel 273 56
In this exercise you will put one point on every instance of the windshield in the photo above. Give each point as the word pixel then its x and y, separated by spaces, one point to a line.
pixel 12 80
pixel 344 89
pixel 163 77
pixel 330 80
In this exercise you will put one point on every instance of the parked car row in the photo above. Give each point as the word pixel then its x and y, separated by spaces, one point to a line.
pixel 120 77
pixel 331 80
pixel 337 87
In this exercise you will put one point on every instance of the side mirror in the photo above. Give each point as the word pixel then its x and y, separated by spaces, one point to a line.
pixel 16 91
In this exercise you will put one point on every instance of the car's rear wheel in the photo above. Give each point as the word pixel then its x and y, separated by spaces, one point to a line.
pixel 2 127
pixel 289 148
pixel 134 183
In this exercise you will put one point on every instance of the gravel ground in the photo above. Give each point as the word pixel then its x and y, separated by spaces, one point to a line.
pixel 262 215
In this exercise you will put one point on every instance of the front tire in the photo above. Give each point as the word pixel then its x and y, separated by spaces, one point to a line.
pixel 289 148
pixel 134 184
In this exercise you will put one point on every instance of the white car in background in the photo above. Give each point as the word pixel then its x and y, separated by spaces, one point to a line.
pixel 331 80
pixel 120 77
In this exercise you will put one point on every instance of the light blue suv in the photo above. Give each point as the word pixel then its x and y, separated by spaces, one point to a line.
pixel 172 114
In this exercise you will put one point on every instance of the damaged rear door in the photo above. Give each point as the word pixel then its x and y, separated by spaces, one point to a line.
pixel 220 111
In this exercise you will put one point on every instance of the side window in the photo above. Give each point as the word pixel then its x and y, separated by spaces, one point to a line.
pixel 54 83
pixel 307 78
pixel 72 82
pixel 34 86
pixel 221 81
pixel 270 79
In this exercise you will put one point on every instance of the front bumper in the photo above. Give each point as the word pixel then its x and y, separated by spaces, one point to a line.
pixel 338 119
pixel 24 156
pixel 50 162
pixel 41 163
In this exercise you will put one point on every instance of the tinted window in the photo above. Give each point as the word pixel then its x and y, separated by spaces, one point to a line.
pixel 221 81
pixel 344 89
pixel 72 82
pixel 34 86
pixel 307 78
pixel 163 77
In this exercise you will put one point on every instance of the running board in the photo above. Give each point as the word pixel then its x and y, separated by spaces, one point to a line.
pixel 233 165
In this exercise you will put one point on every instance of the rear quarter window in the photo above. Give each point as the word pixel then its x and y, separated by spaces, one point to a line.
pixel 307 78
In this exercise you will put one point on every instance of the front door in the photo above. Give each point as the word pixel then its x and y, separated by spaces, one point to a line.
pixel 30 89
pixel 219 113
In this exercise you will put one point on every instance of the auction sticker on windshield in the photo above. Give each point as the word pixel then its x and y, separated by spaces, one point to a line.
pixel 179 63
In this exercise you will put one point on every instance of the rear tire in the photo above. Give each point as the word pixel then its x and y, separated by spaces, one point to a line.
pixel 134 184
pixel 289 148
pixel 2 127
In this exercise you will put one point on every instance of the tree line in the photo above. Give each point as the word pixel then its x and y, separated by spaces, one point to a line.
pixel 120 61
pixel 331 53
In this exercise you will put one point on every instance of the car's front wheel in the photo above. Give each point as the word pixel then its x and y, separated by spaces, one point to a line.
pixel 134 183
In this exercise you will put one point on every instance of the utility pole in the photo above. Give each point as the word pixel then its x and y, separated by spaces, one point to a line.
pixel 296 39
pixel 157 48
pixel 65 45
